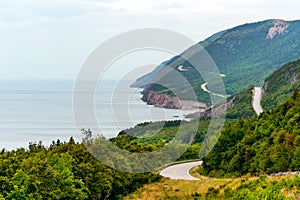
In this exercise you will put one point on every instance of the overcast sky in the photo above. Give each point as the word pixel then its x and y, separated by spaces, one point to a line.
pixel 52 38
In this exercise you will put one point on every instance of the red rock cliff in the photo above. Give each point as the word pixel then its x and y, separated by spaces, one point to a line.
pixel 165 101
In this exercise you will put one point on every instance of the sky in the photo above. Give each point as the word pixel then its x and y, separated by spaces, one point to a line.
pixel 51 39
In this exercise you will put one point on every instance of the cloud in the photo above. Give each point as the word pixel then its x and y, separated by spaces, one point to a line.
pixel 170 6
pixel 55 36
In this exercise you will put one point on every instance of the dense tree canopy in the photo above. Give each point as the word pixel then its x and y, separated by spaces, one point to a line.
pixel 62 171
pixel 263 144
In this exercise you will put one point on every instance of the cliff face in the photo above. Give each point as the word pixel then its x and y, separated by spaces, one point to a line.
pixel 216 112
pixel 165 101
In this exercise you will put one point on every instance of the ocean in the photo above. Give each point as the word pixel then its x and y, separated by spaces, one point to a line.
pixel 41 110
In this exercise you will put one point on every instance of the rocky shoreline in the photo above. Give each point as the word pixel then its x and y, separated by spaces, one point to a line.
pixel 166 101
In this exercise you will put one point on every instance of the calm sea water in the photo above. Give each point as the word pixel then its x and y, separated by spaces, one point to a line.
pixel 41 110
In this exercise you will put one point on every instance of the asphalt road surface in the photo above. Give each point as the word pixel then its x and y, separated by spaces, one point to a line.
pixel 180 171
pixel 256 100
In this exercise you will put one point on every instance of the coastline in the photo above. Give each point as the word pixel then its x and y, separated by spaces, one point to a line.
pixel 26 116
pixel 166 101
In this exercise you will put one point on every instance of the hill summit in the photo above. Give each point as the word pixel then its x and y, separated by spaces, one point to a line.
pixel 246 54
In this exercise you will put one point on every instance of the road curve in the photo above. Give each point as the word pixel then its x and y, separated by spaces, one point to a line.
pixel 203 87
pixel 256 100
pixel 180 171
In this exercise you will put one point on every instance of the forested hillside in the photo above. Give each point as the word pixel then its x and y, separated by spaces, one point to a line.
pixel 279 86
pixel 248 150
pixel 263 144
pixel 242 104
pixel 152 136
pixel 63 171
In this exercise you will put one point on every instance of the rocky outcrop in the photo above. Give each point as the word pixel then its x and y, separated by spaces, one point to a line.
pixel 166 101
pixel 264 88
pixel 215 112
pixel 279 27
pixel 294 78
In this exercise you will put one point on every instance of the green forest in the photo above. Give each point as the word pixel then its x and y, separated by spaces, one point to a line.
pixel 63 171
pixel 266 143
pixel 279 86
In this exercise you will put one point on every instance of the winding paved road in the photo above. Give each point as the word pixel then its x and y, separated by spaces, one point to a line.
pixel 203 87
pixel 256 100
pixel 180 171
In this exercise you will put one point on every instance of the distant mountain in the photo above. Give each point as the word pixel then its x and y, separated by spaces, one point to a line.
pixel 246 54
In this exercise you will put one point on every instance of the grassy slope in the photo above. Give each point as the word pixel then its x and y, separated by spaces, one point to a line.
pixel 286 187
pixel 175 189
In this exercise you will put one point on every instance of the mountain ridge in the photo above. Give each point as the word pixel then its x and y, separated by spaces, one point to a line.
pixel 246 54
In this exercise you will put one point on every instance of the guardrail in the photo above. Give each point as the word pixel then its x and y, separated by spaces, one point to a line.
pixel 283 174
